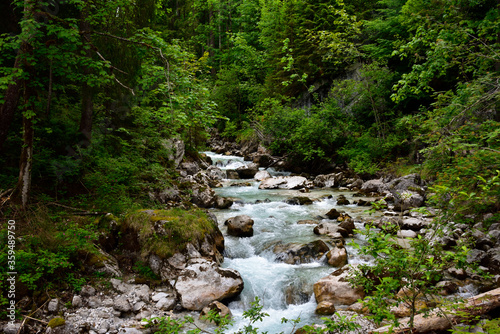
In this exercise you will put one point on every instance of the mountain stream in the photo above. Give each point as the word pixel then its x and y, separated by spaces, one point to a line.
pixel 285 290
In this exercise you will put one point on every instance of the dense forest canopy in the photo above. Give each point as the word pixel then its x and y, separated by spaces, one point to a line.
pixel 92 89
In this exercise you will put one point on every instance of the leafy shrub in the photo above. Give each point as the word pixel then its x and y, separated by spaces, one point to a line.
pixel 304 135
pixel 49 251
pixel 144 270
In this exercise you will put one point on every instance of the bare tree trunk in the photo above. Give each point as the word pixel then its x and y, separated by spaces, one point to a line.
pixel 23 187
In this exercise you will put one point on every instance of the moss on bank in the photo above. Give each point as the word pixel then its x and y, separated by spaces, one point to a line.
pixel 165 232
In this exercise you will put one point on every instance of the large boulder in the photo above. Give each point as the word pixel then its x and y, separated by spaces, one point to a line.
pixel 337 257
pixel 249 147
pixel 176 150
pixel 374 186
pixel 205 178
pixel 216 173
pixel 167 239
pixel 493 260
pixel 296 253
pixel 408 192
pixel 102 262
pixel 203 282
pixel 240 226
pixel 285 182
pixel 263 160
pixel 232 174
pixel 262 175
pixel 331 229
pixel 247 172
pixel 329 180
pixel 222 202
pixel 347 224
pixel 191 168
pixel 203 196
pixel 407 199
pixel 414 224
pixel 336 289
pixel 411 182
pixel 164 196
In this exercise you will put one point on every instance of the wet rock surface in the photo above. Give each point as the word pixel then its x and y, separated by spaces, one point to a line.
pixel 336 289
pixel 240 226
pixel 295 253
pixel 285 182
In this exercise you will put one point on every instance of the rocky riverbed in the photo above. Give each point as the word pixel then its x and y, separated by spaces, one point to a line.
pixel 324 211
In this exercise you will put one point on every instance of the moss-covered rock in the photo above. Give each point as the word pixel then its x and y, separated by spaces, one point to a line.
pixel 56 322
pixel 100 261
pixel 166 232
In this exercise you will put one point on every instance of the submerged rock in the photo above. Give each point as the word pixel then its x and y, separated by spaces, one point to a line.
pixel 295 253
pixel 307 222
pixel 299 200
pixel 342 200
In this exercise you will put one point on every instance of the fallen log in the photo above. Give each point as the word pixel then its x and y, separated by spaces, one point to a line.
pixel 443 320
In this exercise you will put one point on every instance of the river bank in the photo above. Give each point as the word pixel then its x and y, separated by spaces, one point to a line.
pixel 296 224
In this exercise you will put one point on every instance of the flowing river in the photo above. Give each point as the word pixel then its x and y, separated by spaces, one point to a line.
pixel 285 290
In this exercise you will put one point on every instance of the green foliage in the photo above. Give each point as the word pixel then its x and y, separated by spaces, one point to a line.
pixel 305 135
pixel 451 194
pixel 490 326
pixel 49 251
pixel 168 325
pixel 254 314
pixel 411 269
pixel 144 270
pixel 343 324
pixel 75 282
